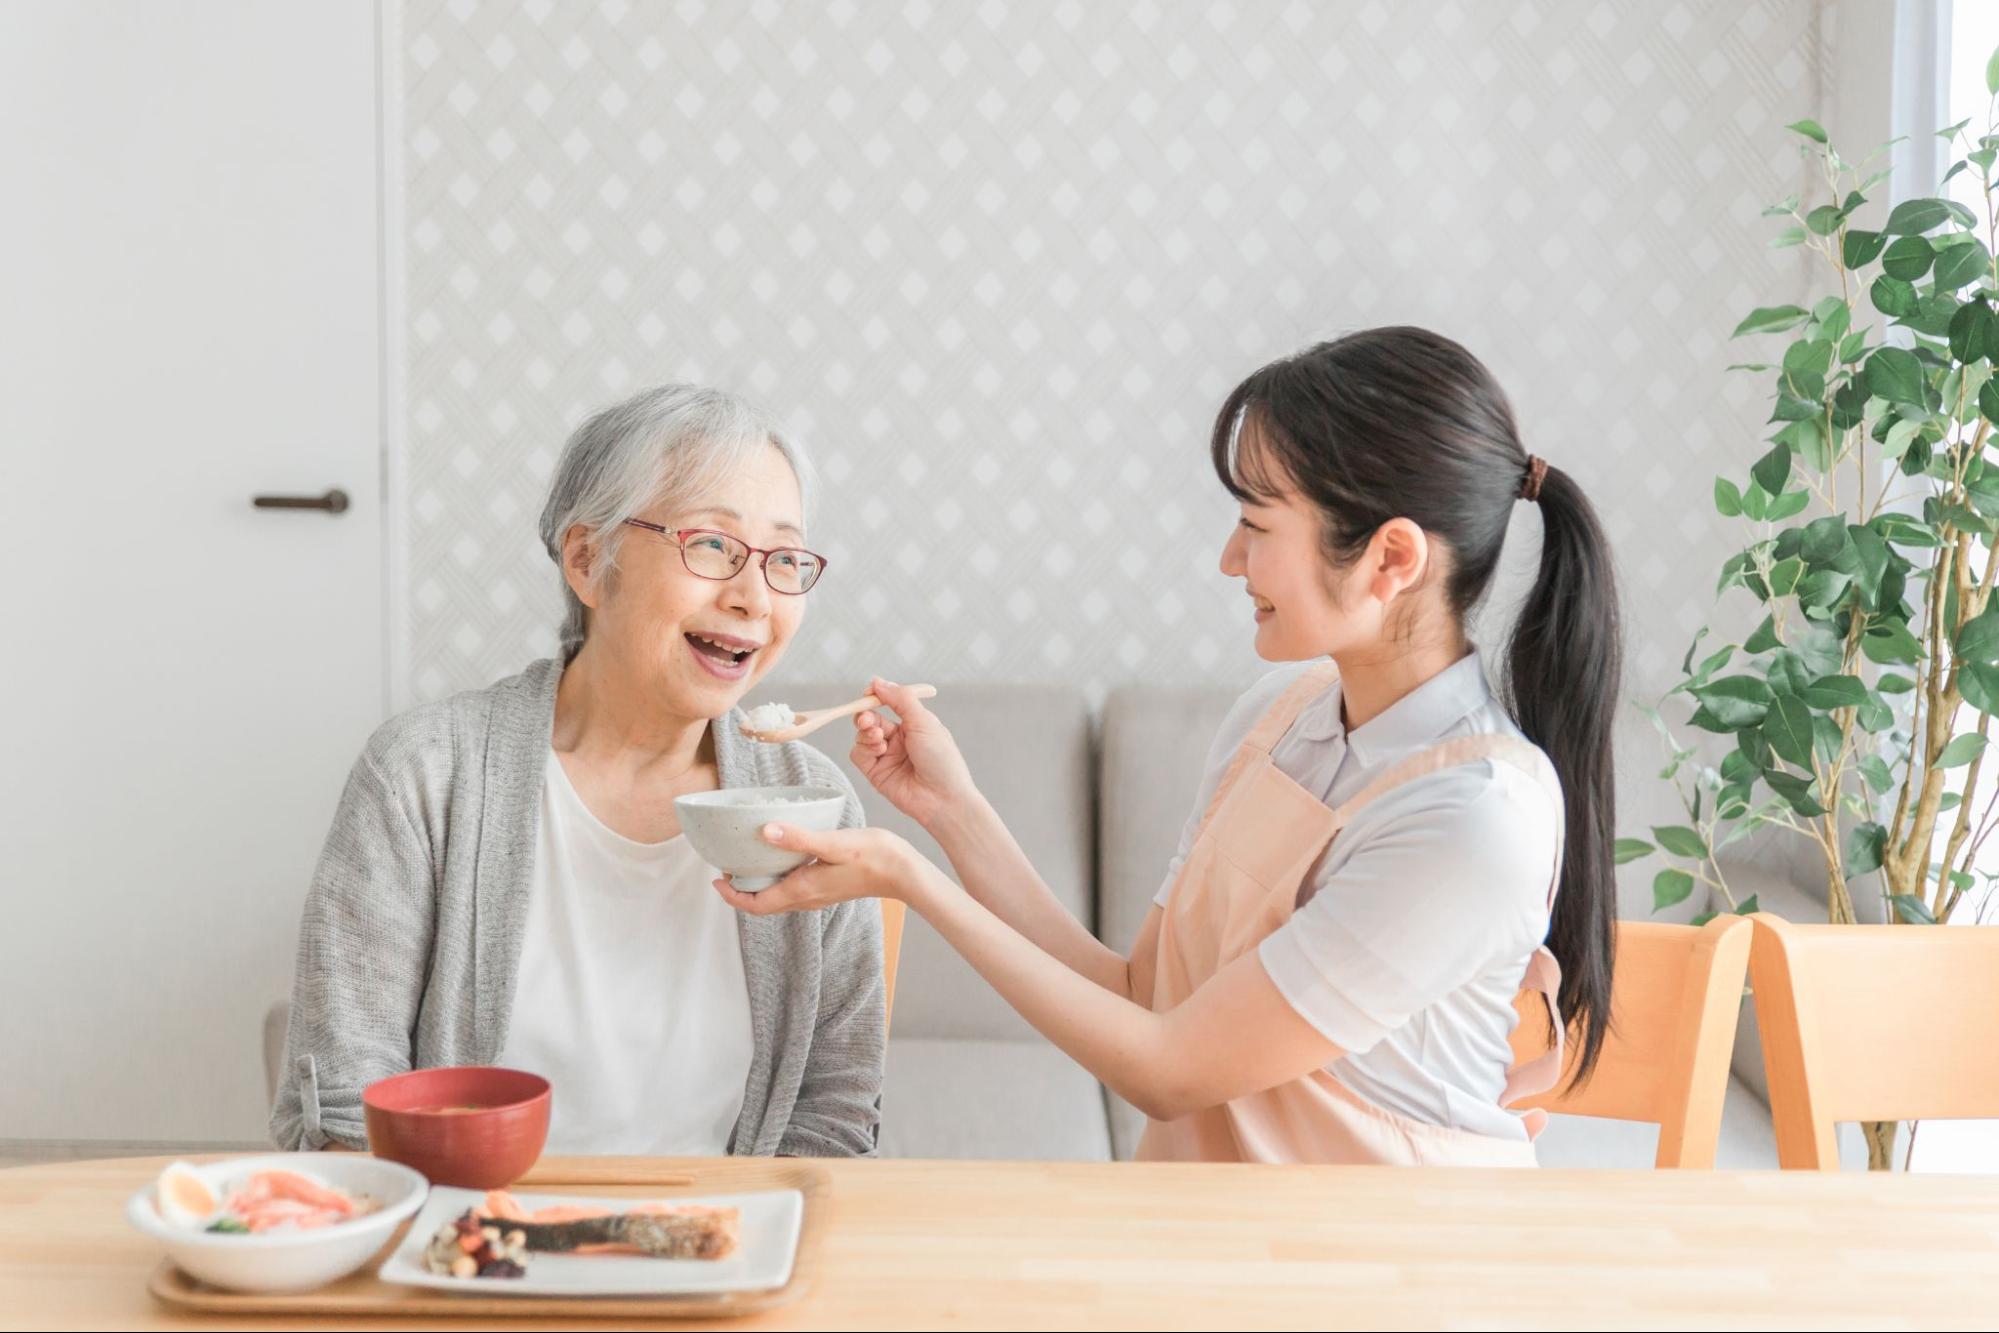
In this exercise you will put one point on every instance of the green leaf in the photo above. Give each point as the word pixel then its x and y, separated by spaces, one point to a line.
pixel 1823 220
pixel 1764 639
pixel 1962 264
pixel 1788 728
pixel 1670 887
pixel 1681 841
pixel 1830 692
pixel 1933 315
pixel 1992 73
pixel 1863 849
pixel 228 1226
pixel 1788 505
pixel 1861 248
pixel 1988 401
pixel 1771 319
pixel 1890 643
pixel 1788 672
pixel 1913 216
pixel 1890 683
pixel 1908 258
pixel 1900 436
pixel 1787 238
pixel 1703 918
pixel 1874 714
pixel 1907 906
pixel 1810 129
pixel 1970 331
pixel 1632 849
pixel 1824 539
pixel 1979 682
pixel 1748 906
pixel 1784 576
pixel 1893 297
pixel 1978 638
pixel 1727 499
pixel 1796 791
pixel 1773 470
pixel 1875 771
pixel 1961 751
pixel 1896 375
pixel 1903 530
pixel 1735 701
pixel 1824 588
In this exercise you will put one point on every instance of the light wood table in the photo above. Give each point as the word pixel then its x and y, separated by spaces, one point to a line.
pixel 1044 1245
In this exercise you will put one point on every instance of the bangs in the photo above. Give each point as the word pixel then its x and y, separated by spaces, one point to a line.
pixel 1246 464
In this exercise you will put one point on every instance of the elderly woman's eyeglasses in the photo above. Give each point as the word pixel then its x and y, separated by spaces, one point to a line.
pixel 717 555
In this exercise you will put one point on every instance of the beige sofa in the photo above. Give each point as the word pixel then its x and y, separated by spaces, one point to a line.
pixel 1097 796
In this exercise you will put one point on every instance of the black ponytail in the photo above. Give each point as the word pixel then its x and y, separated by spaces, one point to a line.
pixel 1403 423
pixel 1562 674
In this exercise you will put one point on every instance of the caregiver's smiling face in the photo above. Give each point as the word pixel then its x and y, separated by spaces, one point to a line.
pixel 1277 550
pixel 704 642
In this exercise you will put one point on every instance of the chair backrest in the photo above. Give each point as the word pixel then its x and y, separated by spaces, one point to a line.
pixel 893 913
pixel 1675 996
pixel 1873 1023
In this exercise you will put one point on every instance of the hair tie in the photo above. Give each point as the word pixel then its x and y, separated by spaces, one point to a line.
pixel 1537 472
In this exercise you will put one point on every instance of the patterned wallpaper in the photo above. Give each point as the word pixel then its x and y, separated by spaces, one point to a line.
pixel 1000 262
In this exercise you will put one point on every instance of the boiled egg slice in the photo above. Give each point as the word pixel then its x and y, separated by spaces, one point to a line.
pixel 184 1198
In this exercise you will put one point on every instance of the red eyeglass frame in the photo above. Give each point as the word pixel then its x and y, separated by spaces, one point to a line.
pixel 678 536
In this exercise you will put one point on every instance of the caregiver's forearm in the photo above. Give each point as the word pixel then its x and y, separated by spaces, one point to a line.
pixel 1123 1043
pixel 1236 1034
pixel 996 872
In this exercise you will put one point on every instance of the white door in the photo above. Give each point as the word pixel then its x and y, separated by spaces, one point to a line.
pixel 189 316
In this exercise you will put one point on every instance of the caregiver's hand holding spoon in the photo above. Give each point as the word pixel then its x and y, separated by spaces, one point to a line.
pixel 914 762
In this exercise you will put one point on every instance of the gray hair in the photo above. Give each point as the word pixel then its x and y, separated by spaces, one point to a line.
pixel 671 444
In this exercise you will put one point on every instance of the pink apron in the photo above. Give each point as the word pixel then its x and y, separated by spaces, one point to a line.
pixel 1259 837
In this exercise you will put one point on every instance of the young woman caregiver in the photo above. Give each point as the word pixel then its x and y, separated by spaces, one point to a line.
pixel 1383 854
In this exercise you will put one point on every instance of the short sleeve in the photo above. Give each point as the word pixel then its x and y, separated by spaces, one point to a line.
pixel 1444 879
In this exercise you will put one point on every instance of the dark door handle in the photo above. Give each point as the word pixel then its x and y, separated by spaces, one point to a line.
pixel 333 502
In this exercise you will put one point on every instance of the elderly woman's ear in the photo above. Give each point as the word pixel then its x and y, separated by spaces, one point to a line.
pixel 579 562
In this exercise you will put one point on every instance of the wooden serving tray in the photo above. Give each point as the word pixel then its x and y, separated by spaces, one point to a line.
pixel 364 1295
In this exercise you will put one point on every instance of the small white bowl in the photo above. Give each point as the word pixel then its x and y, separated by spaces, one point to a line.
pixel 286 1260
pixel 725 827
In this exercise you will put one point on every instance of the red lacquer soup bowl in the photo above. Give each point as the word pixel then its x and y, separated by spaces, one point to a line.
pixel 475 1126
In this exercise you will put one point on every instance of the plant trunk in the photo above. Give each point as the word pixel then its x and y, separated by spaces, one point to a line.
pixel 1880 1135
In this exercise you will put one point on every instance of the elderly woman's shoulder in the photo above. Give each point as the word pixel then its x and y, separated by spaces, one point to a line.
pixel 427 737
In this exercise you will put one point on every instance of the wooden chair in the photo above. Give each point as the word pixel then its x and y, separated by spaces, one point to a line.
pixel 1873 1023
pixel 1675 996
pixel 893 913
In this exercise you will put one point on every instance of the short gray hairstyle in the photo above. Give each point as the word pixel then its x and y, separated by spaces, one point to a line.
pixel 672 444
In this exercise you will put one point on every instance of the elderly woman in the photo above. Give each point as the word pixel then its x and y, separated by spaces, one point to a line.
pixel 505 881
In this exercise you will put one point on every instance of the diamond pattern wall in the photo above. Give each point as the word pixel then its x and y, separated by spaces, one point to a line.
pixel 1000 262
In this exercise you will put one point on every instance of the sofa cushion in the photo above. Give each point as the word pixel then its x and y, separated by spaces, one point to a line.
pixel 985 1098
pixel 1155 744
pixel 1029 749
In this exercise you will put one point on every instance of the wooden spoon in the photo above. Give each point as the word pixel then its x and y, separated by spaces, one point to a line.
pixel 804 724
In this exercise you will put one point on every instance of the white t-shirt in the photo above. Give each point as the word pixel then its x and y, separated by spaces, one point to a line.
pixel 631 999
pixel 1428 905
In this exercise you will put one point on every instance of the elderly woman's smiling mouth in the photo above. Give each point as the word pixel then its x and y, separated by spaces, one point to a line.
pixel 727 655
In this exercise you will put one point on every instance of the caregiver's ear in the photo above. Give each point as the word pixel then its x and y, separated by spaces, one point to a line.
pixel 1398 557
pixel 579 564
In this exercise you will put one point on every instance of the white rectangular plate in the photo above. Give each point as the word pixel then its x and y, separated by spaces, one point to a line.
pixel 771 1222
